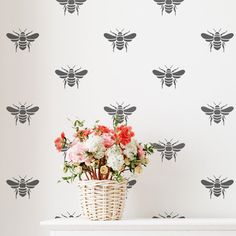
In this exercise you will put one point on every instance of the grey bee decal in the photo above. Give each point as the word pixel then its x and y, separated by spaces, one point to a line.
pixel 68 215
pixel 217 113
pixel 168 5
pixel 120 40
pixel 22 113
pixel 22 39
pixel 168 149
pixel 217 186
pixel 168 216
pixel 120 113
pixel 22 186
pixel 168 76
pixel 217 39
pixel 71 6
pixel 71 76
pixel 131 183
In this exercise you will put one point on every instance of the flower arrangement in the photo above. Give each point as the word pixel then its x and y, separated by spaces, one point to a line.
pixel 101 153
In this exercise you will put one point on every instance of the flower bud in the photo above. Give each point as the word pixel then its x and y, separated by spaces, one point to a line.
pixel 138 170
pixel 104 170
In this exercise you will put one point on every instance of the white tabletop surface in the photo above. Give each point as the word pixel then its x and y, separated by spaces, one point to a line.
pixel 194 224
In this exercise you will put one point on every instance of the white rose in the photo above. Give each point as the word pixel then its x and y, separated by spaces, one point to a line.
pixel 131 149
pixel 100 152
pixel 115 159
pixel 95 145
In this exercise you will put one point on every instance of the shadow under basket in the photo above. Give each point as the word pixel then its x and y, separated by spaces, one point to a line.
pixel 103 199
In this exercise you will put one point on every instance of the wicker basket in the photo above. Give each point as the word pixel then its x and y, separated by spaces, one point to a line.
pixel 103 199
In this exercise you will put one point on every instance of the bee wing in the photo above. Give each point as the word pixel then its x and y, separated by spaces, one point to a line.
pixel 129 37
pixel 32 110
pixel 160 2
pixel 13 184
pixel 226 184
pixel 178 74
pixel 32 184
pixel 61 74
pixel 227 37
pixel 13 110
pixel 158 147
pixel 131 183
pixel 129 110
pixel 207 110
pixel 32 37
pixel 159 74
pixel 13 37
pixel 177 2
pixel 227 110
pixel 178 147
pixel 207 37
pixel 62 2
pixel 79 2
pixel 207 184
pixel 80 74
pixel 110 37
pixel 110 110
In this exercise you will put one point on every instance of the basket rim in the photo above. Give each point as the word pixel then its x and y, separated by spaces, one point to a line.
pixel 102 180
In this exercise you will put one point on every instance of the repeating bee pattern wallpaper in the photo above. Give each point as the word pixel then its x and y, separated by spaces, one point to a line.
pixel 166 67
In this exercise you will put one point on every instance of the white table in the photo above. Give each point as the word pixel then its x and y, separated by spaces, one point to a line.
pixel 142 227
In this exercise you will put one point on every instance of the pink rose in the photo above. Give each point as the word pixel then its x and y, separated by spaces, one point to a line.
pixel 77 153
pixel 108 141
pixel 141 153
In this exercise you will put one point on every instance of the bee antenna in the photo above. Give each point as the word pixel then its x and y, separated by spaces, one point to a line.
pixel 25 30
pixel 122 103
pixel 171 140
pixel 122 30
pixel 166 140
pixel 214 176
pixel 166 67
pixel 20 177
pixel 117 30
pixel 20 30
pixel 171 67
pixel 117 103
pixel 214 30
pixel 68 66
pixel 220 30
pixel 73 66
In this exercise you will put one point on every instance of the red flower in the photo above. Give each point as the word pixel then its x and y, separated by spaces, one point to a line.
pixel 103 129
pixel 83 134
pixel 124 134
pixel 63 135
pixel 60 142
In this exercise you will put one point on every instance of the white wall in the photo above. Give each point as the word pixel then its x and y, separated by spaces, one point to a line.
pixel 118 77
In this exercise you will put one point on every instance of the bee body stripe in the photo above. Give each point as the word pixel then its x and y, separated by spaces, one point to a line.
pixel 168 155
pixel 71 81
pixel 120 45
pixel 168 8
pixel 22 118
pixel 71 8
pixel 217 118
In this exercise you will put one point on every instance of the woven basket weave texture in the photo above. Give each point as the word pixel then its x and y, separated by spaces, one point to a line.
pixel 103 199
